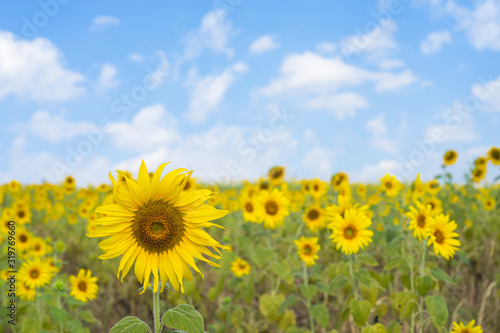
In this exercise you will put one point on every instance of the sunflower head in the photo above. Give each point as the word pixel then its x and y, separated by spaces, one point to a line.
pixel 442 236
pixel 240 267
pixel 314 218
pixel 338 179
pixel 494 155
pixel 276 175
pixel 156 225
pixel 469 328
pixel 83 286
pixel 351 232
pixel 308 249
pixel 450 157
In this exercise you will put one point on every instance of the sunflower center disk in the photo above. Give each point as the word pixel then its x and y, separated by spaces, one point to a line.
pixel 313 214
pixel 249 207
pixel 23 238
pixel 271 207
pixel 158 227
pixel 307 250
pixel 34 273
pixel 421 221
pixel 439 237
pixel 82 286
pixel 350 232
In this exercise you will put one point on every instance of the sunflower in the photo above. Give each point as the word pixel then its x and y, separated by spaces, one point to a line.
pixel 489 203
pixel 317 188
pixel 343 203
pixel 314 218
pixel 308 250
pixel 14 186
pixel 22 214
pixel 390 185
pixel 24 292
pixel 494 155
pixel 23 238
pixel 263 184
pixel 276 175
pixel 249 209
pixel 361 191
pixel 433 187
pixel 478 174
pixel 350 231
pixel 442 236
pixel 469 328
pixel 35 273
pixel 158 226
pixel 435 203
pixel 190 185
pixel 273 208
pixel 338 179
pixel 83 286
pixel 240 267
pixel 69 182
pixel 38 247
pixel 418 220
pixel 450 157
pixel 481 162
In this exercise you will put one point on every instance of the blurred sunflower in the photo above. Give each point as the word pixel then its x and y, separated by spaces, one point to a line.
pixel 317 188
pixel 390 185
pixel 249 209
pixel 273 208
pixel 276 175
pixel 478 174
pixel 361 191
pixel 38 247
pixel 240 267
pixel 190 184
pixel 450 157
pixel 24 292
pixel 481 162
pixel 469 328
pixel 494 155
pixel 69 182
pixel 442 236
pixel 158 226
pixel 314 218
pixel 338 179
pixel 22 213
pixel 343 203
pixel 24 238
pixel 489 204
pixel 308 250
pixel 435 203
pixel 83 286
pixel 35 273
pixel 350 231
pixel 418 220
pixel 433 187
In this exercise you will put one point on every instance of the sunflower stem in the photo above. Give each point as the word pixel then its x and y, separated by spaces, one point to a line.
pixel 156 311
pixel 422 271
pixel 306 282
pixel 353 281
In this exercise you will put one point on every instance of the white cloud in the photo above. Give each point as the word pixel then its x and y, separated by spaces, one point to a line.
pixel 107 78
pixel 340 105
pixel 150 127
pixel 391 63
pixel 489 94
pixel 263 44
pixel 373 172
pixel 135 57
pixel 33 69
pixel 213 34
pixel 207 92
pixel 104 21
pixel 326 48
pixel 451 133
pixel 312 73
pixel 379 138
pixel 434 42
pixel 318 162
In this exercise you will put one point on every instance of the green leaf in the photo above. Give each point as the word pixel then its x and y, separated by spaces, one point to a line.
pixel 308 291
pixel 130 324
pixel 247 292
pixel 367 259
pixel 363 276
pixel 263 256
pixel 184 317
pixel 340 281
pixel 283 270
pixel 394 327
pixel 287 320
pixel 74 326
pixel 441 275
pixel 360 310
pixel 436 306
pixel 268 305
pixel 424 284
pixel 405 303
pixel 87 316
pixel 289 302
pixel 320 313
pixel 31 325
pixel 58 314
pixel 406 281
pixel 377 328
pixel 395 262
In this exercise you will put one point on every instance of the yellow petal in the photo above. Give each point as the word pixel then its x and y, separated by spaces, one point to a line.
pixel 144 183
pixel 155 183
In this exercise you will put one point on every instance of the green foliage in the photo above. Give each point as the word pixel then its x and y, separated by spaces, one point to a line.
pixel 360 311
pixel 437 310
pixel 184 317
pixel 130 324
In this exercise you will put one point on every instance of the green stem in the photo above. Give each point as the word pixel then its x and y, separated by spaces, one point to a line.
pixel 422 271
pixel 308 303
pixel 156 311
pixel 353 281
pixel 61 327
pixel 409 241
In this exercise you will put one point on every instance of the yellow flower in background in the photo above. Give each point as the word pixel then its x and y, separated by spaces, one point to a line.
pixel 35 273
pixel 433 187
pixel 343 203
pixel 250 209
pixel 494 155
pixel 435 203
pixel 308 250
pixel 240 267
pixel 481 162
pixel 263 184
pixel 469 328
pixel 374 199
pixel 14 186
pixel 22 214
pixel 314 218
pixel 23 238
pixel 273 208
pixel 361 191
pixel 350 231
pixel 478 174
pixel 157 226
pixel 190 184
pixel 489 203
pixel 276 175
pixel 442 236
pixel 83 286
pixel 450 157
pixel 338 179
pixel 38 247
pixel 390 185
pixel 453 198
pixel 24 292
pixel 317 188
pixel 419 217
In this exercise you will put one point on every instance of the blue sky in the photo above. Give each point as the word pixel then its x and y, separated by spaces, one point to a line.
pixel 231 88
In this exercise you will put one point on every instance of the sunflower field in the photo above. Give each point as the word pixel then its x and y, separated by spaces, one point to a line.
pixel 163 252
